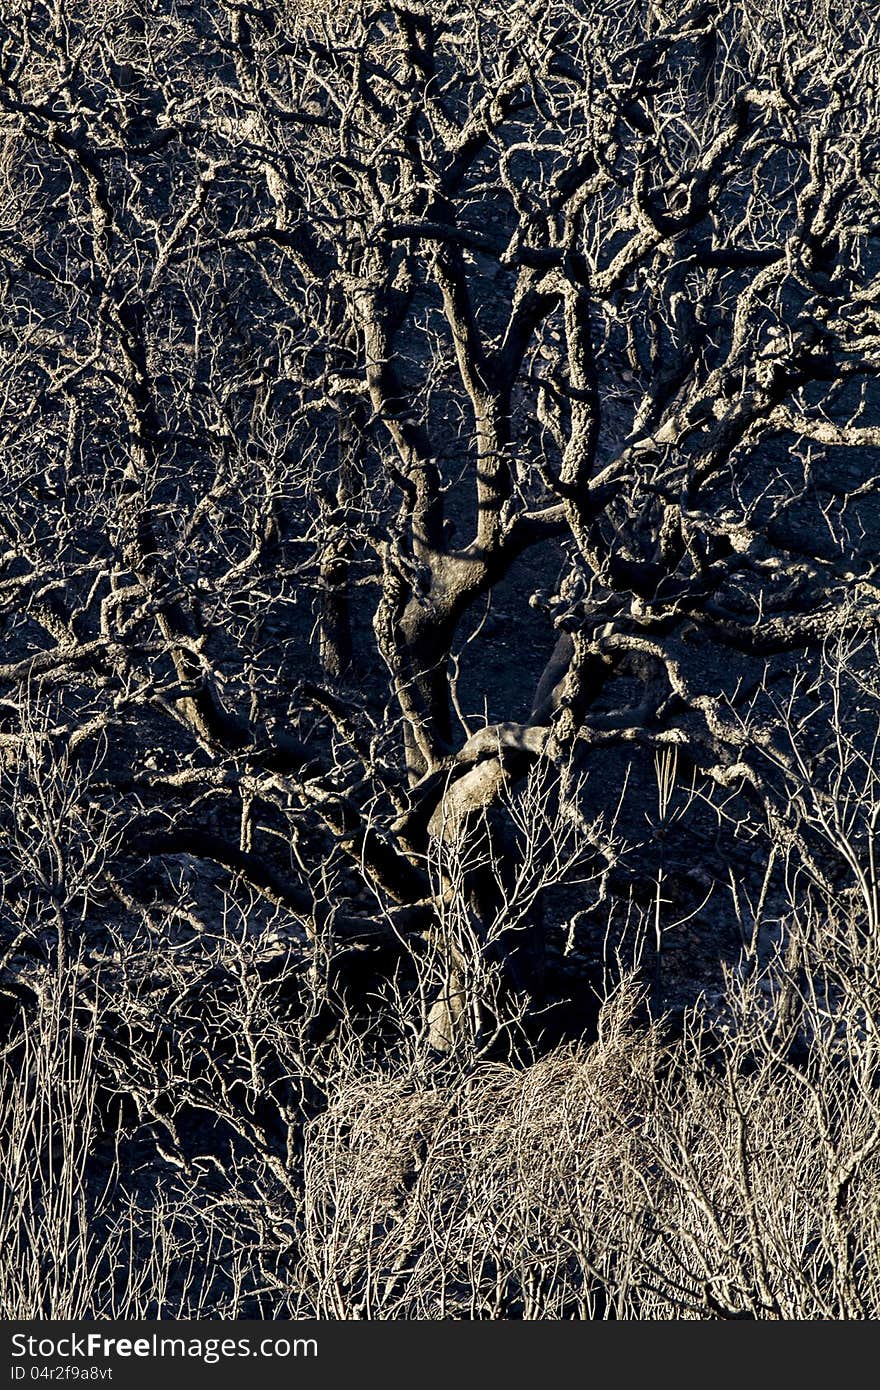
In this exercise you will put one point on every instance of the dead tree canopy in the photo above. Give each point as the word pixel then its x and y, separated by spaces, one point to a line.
pixel 339 343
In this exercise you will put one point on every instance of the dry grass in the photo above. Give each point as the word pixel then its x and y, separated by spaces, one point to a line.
pixel 733 1172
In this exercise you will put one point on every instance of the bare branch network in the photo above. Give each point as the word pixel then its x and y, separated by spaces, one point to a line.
pixel 438 508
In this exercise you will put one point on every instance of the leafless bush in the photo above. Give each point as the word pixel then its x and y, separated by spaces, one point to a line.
pixel 731 1171
pixel 78 1242
pixel 712 1177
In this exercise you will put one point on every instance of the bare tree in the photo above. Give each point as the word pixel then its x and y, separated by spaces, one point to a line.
pixel 318 324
